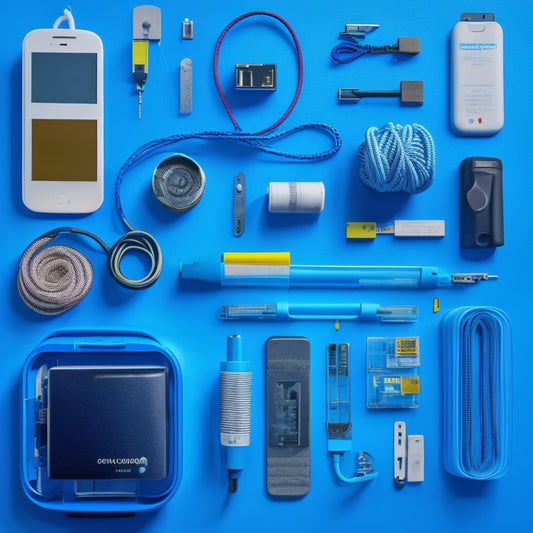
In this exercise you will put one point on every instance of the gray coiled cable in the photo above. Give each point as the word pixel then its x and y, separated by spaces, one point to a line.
pixel 53 279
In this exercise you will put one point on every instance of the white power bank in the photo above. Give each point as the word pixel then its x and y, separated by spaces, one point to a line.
pixel 477 75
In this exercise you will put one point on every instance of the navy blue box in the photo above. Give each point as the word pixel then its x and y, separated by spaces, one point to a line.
pixel 107 423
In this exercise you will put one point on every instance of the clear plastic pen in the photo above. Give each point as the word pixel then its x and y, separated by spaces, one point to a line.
pixel 319 311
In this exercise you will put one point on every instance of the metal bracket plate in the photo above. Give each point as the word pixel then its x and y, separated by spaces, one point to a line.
pixel 186 86
pixel 239 203
pixel 147 23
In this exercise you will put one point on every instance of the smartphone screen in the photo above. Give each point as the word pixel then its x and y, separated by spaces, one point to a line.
pixel 64 149
pixel 68 78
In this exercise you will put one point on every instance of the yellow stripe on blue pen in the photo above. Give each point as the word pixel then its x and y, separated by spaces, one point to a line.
pixel 257 258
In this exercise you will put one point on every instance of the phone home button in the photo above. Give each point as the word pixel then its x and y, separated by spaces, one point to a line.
pixel 62 198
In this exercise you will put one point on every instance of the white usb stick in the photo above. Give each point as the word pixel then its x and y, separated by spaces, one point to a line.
pixel 415 458
pixel 476 75
pixel 415 228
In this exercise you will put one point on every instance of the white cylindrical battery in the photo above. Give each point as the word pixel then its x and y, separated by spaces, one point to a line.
pixel 296 197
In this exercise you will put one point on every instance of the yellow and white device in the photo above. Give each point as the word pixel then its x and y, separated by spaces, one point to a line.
pixel 62 124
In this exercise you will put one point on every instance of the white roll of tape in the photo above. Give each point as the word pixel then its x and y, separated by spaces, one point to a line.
pixel 296 197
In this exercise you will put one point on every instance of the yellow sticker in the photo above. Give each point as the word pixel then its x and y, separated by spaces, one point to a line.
pixel 406 346
pixel 410 385
pixel 360 230
pixel 257 258
pixel 139 52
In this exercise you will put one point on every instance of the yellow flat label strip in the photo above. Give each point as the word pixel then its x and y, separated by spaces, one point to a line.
pixel 360 230
pixel 257 258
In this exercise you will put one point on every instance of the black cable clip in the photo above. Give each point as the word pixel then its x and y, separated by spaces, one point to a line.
pixel 410 93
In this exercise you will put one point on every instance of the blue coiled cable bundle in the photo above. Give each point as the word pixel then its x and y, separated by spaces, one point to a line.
pixel 477 392
pixel 397 158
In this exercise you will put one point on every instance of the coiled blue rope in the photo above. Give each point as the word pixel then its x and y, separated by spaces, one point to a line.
pixel 348 51
pixel 397 158
pixel 477 392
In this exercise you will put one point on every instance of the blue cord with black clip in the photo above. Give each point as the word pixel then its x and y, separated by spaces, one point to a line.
pixel 339 426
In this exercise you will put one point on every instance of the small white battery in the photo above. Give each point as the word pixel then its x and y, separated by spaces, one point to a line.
pixel 296 197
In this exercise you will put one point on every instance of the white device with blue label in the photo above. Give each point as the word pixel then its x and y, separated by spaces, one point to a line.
pixel 477 75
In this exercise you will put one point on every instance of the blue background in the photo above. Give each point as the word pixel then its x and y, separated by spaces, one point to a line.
pixel 183 315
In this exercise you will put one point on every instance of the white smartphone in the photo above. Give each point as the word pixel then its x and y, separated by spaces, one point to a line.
pixel 477 75
pixel 62 123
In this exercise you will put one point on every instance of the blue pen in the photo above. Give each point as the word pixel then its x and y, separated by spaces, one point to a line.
pixel 275 270
pixel 319 311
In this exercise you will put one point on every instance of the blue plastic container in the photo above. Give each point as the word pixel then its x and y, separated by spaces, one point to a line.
pixel 85 349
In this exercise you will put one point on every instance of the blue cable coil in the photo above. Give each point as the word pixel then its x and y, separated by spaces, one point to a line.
pixel 477 392
pixel 397 158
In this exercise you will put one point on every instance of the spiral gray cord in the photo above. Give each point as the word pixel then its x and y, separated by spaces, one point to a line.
pixel 53 279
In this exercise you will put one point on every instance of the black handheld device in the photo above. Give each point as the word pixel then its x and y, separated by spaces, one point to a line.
pixel 481 202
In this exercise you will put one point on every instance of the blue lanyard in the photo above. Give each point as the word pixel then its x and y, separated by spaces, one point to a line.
pixel 477 392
